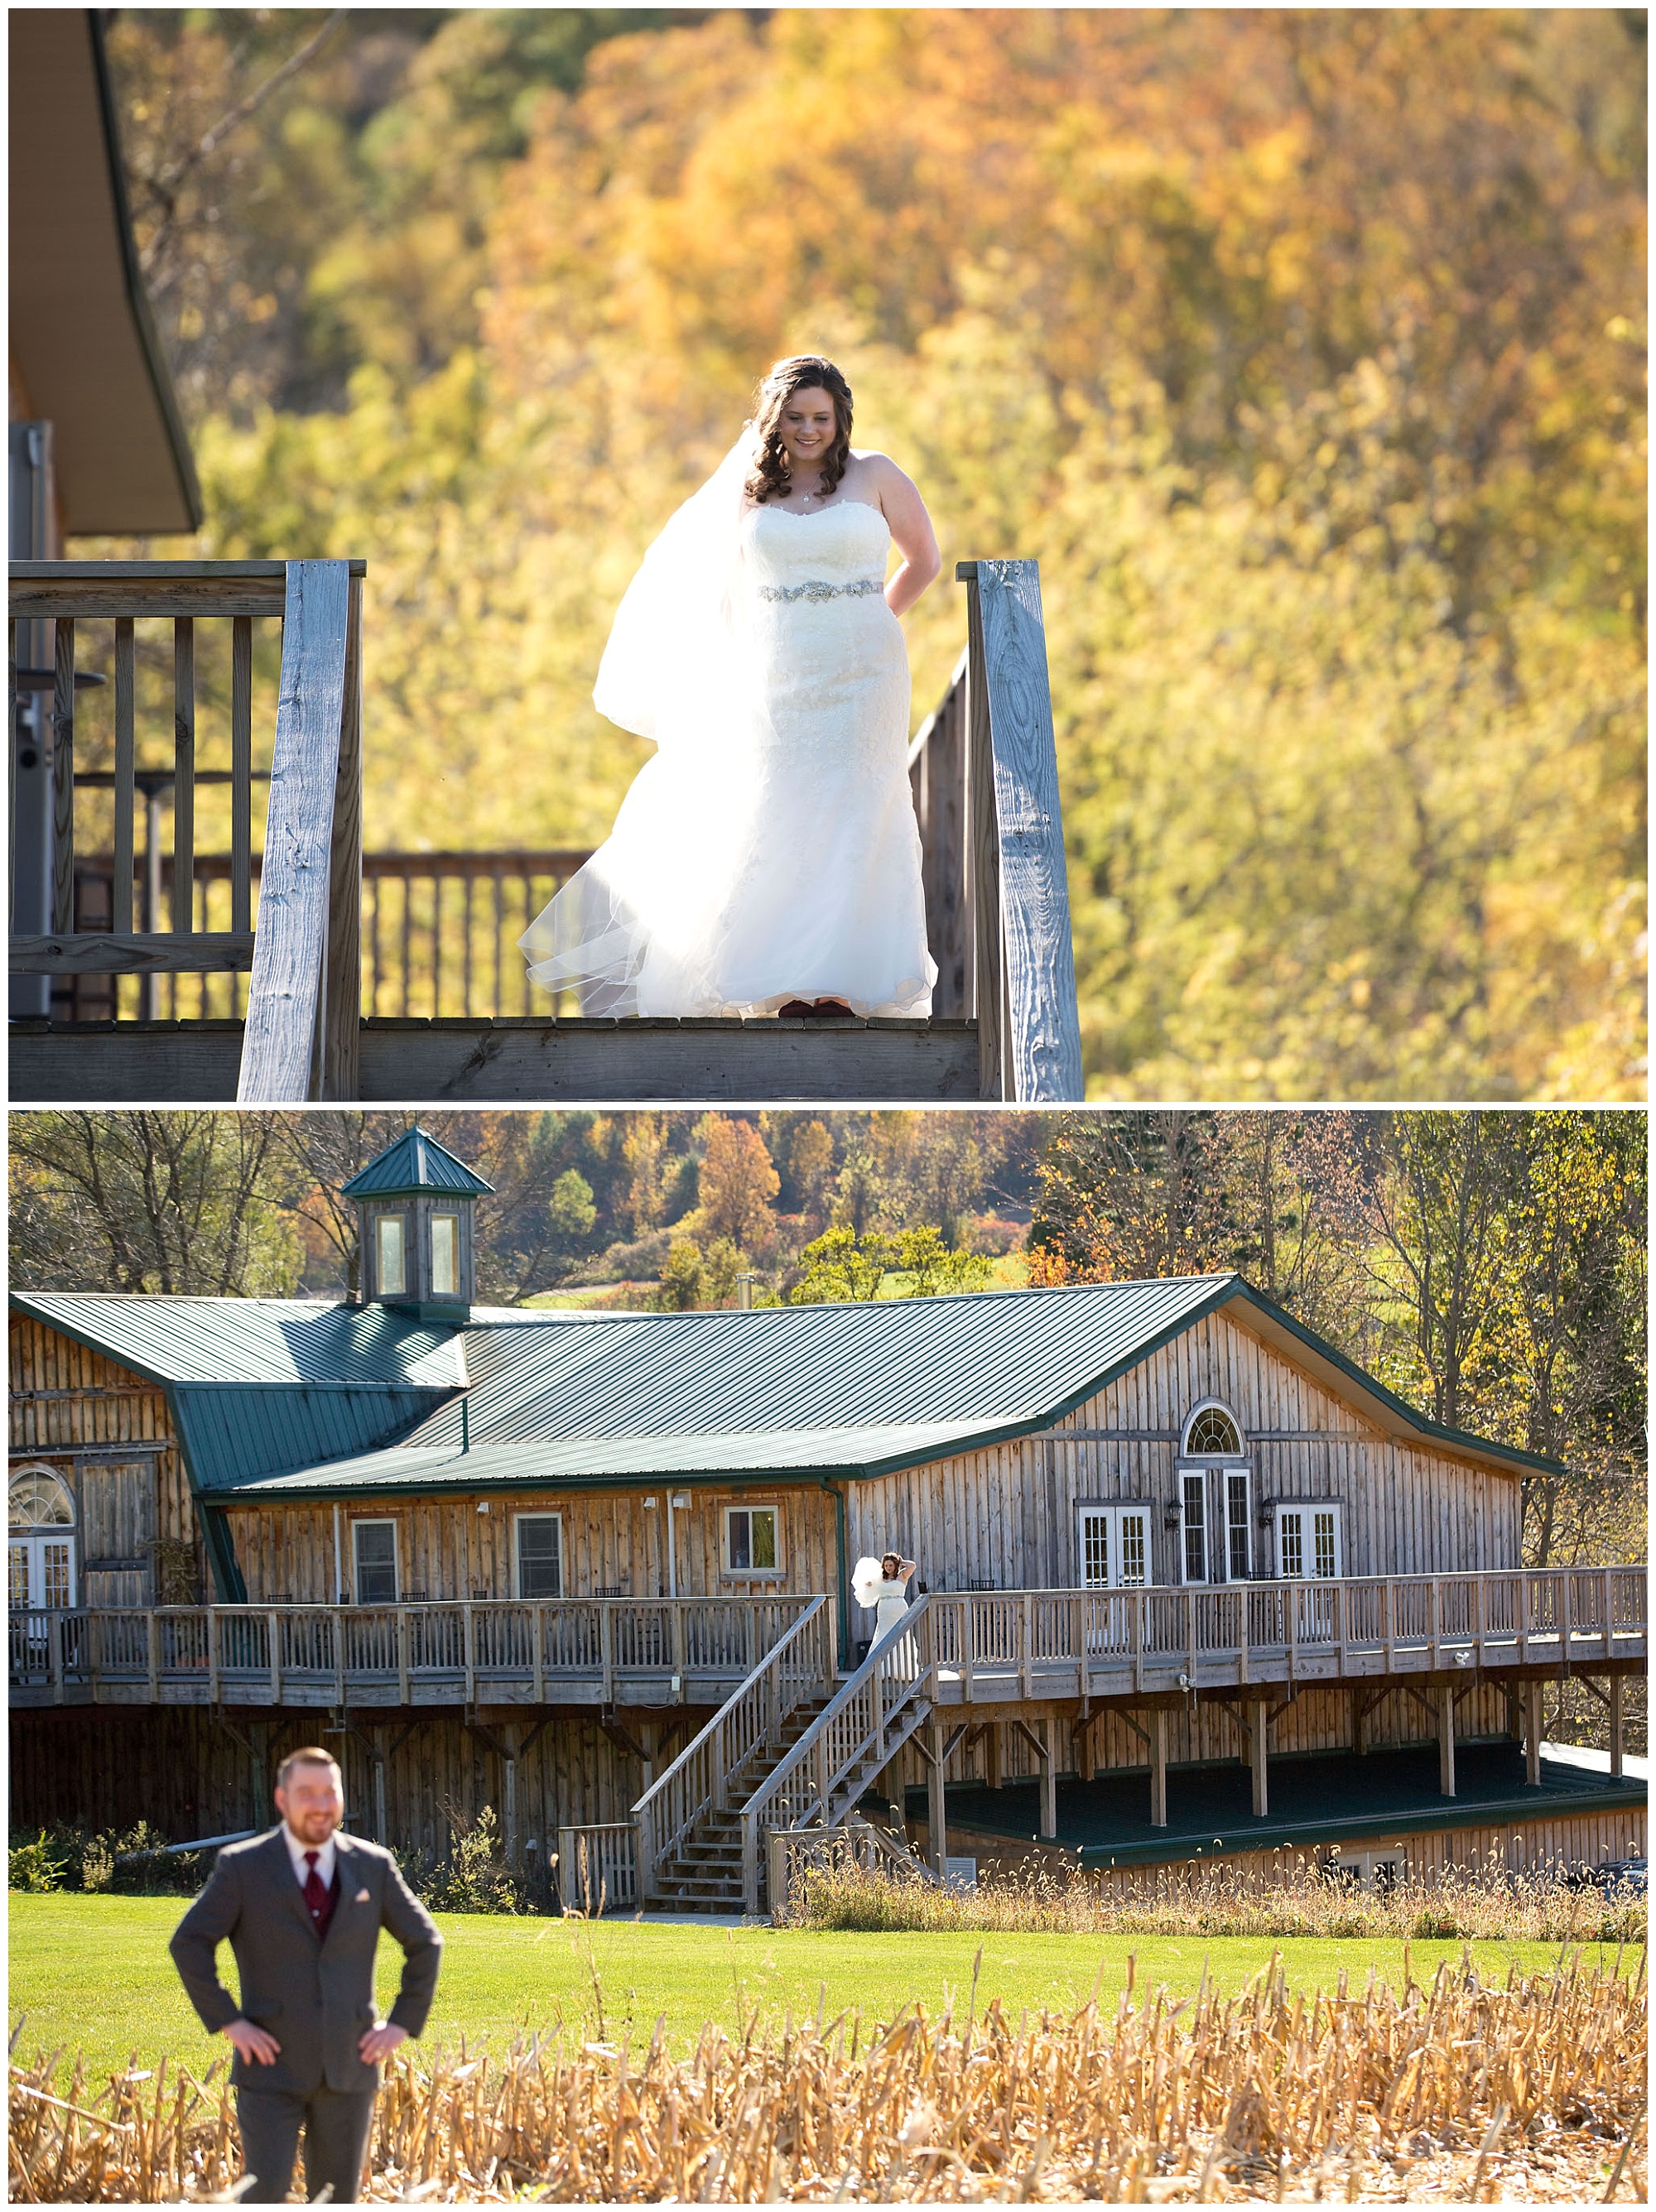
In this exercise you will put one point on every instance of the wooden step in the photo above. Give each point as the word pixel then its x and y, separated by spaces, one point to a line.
pixel 519 1060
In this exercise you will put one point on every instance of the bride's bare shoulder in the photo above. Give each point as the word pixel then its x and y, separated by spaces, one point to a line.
pixel 878 466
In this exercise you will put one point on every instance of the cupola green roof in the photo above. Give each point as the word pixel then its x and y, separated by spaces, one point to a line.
pixel 416 1162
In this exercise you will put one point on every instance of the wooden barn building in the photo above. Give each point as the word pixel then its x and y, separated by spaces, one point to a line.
pixel 1190 1583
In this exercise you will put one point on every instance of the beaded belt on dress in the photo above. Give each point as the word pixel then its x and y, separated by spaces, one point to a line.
pixel 863 586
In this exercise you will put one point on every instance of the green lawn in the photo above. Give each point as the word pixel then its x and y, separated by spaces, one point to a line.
pixel 92 1973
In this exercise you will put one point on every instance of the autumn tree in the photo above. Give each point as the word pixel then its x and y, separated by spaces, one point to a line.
pixel 739 1182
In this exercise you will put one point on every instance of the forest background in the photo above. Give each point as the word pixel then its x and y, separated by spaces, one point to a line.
pixel 1304 349
pixel 1490 1268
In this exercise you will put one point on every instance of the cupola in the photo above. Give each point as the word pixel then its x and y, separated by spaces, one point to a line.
pixel 415 1204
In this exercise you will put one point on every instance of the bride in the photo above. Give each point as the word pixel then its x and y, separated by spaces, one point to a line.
pixel 766 859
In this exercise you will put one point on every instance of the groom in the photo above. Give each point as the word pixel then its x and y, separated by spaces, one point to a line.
pixel 303 1908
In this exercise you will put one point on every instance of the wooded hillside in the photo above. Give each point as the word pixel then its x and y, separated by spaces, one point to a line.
pixel 1304 349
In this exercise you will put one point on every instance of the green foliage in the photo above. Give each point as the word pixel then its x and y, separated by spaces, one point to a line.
pixel 840 1265
pixel 472 1876
pixel 36 1865
pixel 68 1856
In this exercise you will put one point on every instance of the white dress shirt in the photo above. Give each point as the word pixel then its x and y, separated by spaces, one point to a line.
pixel 296 1850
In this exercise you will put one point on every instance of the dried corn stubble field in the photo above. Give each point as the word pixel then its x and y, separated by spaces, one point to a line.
pixel 1535 2088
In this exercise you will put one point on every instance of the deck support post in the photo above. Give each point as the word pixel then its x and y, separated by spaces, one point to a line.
pixel 936 1812
pixel 1532 1733
pixel 992 1757
pixel 1446 1743
pixel 1050 1783
pixel 380 1835
pixel 509 1768
pixel 1158 1766
pixel 1615 1745
pixel 1259 1717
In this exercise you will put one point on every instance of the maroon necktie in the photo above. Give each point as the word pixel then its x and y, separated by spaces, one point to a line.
pixel 317 1900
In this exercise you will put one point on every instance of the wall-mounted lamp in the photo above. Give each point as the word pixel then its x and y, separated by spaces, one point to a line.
pixel 1172 1517
pixel 679 1501
pixel 482 1505
pixel 650 1504
pixel 1262 1512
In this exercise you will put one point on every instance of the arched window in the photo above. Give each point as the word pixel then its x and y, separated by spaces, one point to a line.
pixel 40 1542
pixel 1212 1429
pixel 1214 1497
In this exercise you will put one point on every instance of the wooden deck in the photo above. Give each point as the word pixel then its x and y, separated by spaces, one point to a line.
pixel 519 1060
pixel 982 770
pixel 995 1647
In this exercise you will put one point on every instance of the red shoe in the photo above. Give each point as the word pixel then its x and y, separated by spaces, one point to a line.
pixel 831 1010
pixel 797 1010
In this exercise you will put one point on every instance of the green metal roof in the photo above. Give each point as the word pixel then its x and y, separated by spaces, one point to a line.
pixel 416 1162
pixel 843 1390
pixel 242 1340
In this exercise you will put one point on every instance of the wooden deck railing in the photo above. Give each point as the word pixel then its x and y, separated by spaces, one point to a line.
pixel 440 929
pixel 707 1772
pixel 595 1651
pixel 438 933
pixel 1037 1643
pixel 303 1023
pixel 598 1867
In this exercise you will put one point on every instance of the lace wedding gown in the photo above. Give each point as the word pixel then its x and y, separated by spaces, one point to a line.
pixel 769 851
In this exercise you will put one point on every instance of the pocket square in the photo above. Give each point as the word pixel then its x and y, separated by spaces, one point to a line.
pixel 361 1898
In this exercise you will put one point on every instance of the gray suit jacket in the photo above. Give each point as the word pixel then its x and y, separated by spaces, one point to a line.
pixel 315 1997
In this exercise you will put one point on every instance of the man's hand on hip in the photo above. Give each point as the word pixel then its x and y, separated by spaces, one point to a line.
pixel 254 2044
pixel 380 2043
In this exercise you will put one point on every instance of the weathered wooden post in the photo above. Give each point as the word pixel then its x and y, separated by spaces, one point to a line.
pixel 1158 1766
pixel 1259 1717
pixel 1028 1025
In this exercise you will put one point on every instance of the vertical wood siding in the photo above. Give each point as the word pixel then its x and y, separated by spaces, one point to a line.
pixel 64 1398
pixel 1006 1516
pixel 191 1773
pixel 613 1544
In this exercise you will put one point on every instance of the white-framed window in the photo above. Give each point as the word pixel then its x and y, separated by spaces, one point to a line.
pixel 1215 1496
pixel 1238 1533
pixel 41 1540
pixel 373 1560
pixel 1114 1545
pixel 1193 1525
pixel 1310 1539
pixel 752 1539
pixel 537 1554
pixel 390 1255
pixel 445 1255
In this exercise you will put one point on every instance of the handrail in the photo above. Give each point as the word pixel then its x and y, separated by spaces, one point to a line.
pixel 869 1736
pixel 706 1764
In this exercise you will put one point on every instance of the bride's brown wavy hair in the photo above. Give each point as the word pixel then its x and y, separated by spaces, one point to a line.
pixel 769 477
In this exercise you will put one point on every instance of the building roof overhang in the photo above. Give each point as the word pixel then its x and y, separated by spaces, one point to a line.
pixel 82 338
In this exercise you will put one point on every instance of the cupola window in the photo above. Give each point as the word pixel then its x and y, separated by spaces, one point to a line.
pixel 390 1256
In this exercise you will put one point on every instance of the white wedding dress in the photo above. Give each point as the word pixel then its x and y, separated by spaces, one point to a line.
pixel 769 851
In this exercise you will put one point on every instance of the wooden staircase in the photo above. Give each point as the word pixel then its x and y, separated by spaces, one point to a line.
pixel 773 1760
pixel 982 770
pixel 703 1872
